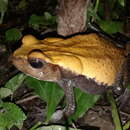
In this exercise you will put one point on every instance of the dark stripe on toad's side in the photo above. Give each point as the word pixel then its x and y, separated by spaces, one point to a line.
pixel 82 82
pixel 88 85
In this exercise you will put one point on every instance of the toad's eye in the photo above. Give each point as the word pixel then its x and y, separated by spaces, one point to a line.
pixel 35 63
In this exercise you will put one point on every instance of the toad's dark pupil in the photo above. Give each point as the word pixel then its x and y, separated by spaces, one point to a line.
pixel 36 63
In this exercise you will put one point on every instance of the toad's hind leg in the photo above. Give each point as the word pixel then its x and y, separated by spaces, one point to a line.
pixel 126 80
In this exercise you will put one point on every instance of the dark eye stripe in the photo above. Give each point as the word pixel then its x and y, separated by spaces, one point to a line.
pixel 35 63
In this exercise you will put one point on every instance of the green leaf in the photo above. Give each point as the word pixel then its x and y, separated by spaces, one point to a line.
pixel 56 127
pixel 2 128
pixel 4 92
pixel 11 114
pixel 128 87
pixel 3 9
pixel 13 35
pixel 122 2
pixel 84 101
pixel 126 125
pixel 22 4
pixel 52 94
pixel 3 5
pixel 36 21
pixel 15 82
pixel 48 91
pixel 111 26
pixel 48 16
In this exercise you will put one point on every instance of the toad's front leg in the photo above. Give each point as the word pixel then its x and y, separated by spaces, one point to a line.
pixel 70 100
pixel 69 94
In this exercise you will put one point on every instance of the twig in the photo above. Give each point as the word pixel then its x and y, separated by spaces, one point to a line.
pixel 26 99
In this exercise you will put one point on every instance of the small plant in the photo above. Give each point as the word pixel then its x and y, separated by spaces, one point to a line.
pixel 10 113
pixel 52 94
pixel 110 25
pixel 47 19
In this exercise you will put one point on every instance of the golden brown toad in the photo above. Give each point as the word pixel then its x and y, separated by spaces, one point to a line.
pixel 89 62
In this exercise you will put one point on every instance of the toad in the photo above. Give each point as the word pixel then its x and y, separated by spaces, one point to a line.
pixel 90 62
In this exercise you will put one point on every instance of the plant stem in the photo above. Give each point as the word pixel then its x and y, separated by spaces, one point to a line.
pixel 35 126
pixel 96 6
pixel 115 114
